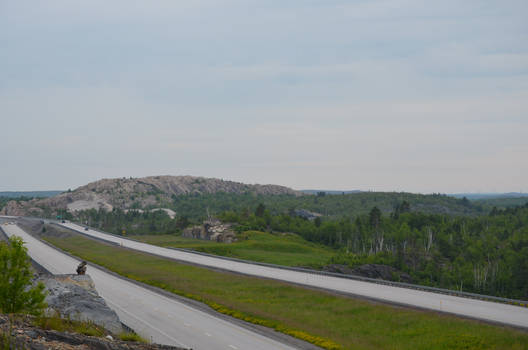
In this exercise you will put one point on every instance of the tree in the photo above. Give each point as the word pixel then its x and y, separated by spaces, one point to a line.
pixel 375 217
pixel 16 293
pixel 260 210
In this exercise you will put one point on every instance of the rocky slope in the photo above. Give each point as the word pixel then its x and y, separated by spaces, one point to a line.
pixel 75 297
pixel 22 334
pixel 136 192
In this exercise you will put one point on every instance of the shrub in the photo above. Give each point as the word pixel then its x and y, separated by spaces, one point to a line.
pixel 16 293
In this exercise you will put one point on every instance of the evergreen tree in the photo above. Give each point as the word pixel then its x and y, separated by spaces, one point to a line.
pixel 16 295
pixel 259 212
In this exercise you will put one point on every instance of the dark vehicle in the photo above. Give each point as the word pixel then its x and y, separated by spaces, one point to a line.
pixel 63 221
pixel 86 228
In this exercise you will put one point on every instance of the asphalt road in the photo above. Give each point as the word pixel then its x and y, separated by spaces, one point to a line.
pixel 152 315
pixel 479 309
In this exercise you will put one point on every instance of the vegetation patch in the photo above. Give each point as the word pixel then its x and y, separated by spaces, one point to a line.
pixel 328 320
pixel 277 248
pixel 128 336
pixel 66 325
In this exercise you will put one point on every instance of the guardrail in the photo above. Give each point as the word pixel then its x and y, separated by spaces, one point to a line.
pixel 469 295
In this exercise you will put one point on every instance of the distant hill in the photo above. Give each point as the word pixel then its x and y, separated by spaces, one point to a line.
pixel 130 193
pixel 499 200
pixel 477 196
pixel 331 192
pixel 29 194
pixel 198 197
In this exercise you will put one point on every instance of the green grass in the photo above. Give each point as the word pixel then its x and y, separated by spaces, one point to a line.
pixel 81 327
pixel 281 248
pixel 66 325
pixel 127 336
pixel 329 320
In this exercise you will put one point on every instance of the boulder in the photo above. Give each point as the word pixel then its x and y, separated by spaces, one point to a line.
pixel 212 230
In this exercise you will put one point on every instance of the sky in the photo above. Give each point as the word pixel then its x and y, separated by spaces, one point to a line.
pixel 381 95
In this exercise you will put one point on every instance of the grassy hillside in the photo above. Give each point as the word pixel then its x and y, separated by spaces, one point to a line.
pixel 281 249
pixel 331 321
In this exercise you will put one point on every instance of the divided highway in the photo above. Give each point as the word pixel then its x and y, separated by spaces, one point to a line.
pixel 152 315
pixel 479 309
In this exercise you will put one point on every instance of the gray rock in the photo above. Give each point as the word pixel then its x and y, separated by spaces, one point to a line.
pixel 25 335
pixel 75 297
pixel 32 334
pixel 306 214
pixel 211 230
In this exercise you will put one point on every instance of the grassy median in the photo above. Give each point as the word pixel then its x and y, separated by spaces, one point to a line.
pixel 331 321
pixel 280 248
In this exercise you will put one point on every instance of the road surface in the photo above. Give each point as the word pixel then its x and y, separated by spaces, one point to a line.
pixel 154 316
pixel 479 309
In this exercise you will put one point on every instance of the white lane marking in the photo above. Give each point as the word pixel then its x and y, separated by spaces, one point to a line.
pixel 186 324
pixel 146 323
pixel 207 334
pixel 233 347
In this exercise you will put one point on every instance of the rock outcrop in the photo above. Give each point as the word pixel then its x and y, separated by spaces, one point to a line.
pixel 75 297
pixel 306 214
pixel 211 230
pixel 126 193
pixel 15 208
pixel 376 271
pixel 21 334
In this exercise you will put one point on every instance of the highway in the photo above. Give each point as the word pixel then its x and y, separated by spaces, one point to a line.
pixel 479 309
pixel 154 316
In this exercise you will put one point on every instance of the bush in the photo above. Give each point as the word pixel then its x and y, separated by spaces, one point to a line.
pixel 16 293
pixel 127 336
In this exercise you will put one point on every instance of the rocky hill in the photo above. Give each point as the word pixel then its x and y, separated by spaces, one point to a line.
pixel 143 192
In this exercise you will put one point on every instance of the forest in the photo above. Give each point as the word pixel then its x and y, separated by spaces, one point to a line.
pixel 487 254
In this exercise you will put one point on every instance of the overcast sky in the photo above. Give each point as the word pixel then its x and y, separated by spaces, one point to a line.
pixel 397 95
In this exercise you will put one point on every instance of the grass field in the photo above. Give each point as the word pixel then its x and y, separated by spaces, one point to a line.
pixel 331 321
pixel 281 249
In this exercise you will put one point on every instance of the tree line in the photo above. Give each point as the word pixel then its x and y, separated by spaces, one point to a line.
pixel 486 254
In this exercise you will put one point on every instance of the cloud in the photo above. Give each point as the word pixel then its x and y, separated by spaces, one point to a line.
pixel 389 94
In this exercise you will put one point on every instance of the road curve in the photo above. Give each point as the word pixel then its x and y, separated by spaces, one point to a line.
pixel 479 309
pixel 154 316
